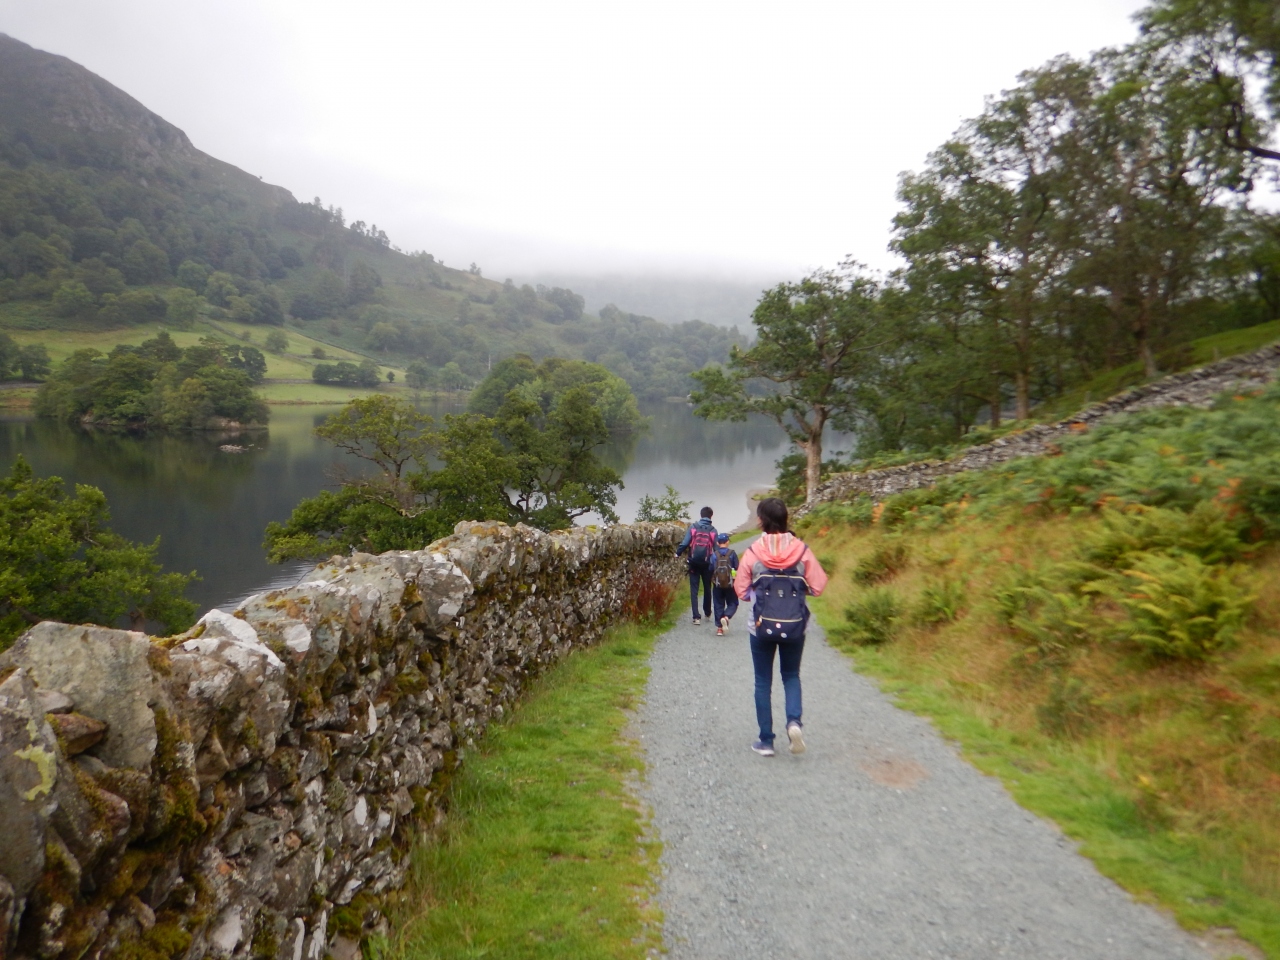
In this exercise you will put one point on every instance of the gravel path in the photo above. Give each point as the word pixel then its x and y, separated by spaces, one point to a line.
pixel 878 843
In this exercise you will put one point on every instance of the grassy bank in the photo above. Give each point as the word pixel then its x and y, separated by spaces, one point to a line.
pixel 545 854
pixel 1218 346
pixel 1104 385
pixel 1101 630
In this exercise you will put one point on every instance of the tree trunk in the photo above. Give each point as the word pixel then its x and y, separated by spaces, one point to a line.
pixel 1149 368
pixel 812 448
pixel 1022 389
pixel 1142 333
pixel 995 411
pixel 812 467
pixel 1022 376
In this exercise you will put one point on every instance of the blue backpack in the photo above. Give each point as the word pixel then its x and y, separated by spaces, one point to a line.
pixel 781 609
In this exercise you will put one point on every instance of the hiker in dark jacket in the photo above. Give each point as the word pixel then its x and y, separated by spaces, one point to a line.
pixel 724 600
pixel 700 543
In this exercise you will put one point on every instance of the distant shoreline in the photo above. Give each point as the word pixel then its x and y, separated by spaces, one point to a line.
pixel 754 496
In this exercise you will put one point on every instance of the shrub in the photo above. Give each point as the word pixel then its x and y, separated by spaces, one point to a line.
pixel 941 601
pixel 1054 623
pixel 133 307
pixel 857 513
pixel 903 508
pixel 346 373
pixel 184 307
pixel 873 618
pixel 647 599
pixel 73 299
pixel 1179 607
pixel 1258 496
pixel 1026 589
pixel 669 506
pixel 1207 531
pixel 884 562
pixel 1070 708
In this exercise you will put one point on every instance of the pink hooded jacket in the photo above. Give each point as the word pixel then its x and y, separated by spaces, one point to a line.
pixel 777 551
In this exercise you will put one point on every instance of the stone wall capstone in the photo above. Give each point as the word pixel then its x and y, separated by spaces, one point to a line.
pixel 248 788
pixel 1199 388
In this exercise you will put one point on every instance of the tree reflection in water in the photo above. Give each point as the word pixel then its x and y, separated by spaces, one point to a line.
pixel 209 507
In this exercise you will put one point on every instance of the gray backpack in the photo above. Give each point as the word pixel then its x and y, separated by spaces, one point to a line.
pixel 723 574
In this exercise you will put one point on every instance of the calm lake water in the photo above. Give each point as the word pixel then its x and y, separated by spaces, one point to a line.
pixel 209 508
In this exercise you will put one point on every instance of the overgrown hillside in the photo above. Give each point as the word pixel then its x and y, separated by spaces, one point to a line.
pixel 1099 628
pixel 110 218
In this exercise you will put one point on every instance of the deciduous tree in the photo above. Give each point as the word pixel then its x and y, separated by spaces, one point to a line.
pixel 816 340
pixel 60 561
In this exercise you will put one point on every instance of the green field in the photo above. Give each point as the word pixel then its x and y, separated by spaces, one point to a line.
pixel 296 363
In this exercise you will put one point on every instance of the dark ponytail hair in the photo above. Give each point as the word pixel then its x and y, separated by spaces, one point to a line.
pixel 773 515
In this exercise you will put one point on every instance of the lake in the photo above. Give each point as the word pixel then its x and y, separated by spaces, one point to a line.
pixel 209 507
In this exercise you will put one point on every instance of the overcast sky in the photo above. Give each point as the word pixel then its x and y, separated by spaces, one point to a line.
pixel 730 137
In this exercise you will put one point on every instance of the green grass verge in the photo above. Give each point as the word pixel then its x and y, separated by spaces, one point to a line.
pixel 1190 876
pixel 545 852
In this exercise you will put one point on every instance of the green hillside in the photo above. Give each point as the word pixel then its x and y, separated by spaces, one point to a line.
pixel 110 219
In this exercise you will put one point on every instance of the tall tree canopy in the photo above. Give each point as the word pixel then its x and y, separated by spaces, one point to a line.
pixel 1230 44
pixel 1101 212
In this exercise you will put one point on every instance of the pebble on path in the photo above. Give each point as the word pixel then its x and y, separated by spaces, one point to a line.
pixel 878 843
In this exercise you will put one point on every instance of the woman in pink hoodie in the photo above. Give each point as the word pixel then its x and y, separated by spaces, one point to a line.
pixel 777 572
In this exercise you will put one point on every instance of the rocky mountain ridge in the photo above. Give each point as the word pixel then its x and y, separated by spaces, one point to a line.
pixel 59 111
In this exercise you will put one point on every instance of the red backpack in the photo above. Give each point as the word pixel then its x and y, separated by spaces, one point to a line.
pixel 701 543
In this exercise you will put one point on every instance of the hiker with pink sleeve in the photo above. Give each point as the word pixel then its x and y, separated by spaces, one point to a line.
pixel 777 573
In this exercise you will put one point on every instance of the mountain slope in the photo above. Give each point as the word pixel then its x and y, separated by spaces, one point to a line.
pixel 107 212
pixel 53 109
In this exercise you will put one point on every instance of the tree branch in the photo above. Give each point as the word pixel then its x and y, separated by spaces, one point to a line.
pixel 1233 137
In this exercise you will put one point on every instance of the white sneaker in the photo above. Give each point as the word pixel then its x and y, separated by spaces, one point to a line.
pixel 724 623
pixel 796 735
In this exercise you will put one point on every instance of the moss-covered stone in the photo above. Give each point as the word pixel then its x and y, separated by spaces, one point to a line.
pixel 319 756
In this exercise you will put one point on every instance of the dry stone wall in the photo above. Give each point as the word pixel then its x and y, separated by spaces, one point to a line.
pixel 1199 387
pixel 247 789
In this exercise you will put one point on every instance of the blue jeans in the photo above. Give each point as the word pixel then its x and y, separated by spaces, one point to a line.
pixel 789 655
pixel 725 602
pixel 700 575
